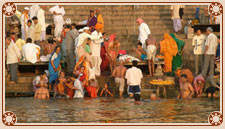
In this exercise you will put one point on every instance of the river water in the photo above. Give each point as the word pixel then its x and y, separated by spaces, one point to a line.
pixel 102 110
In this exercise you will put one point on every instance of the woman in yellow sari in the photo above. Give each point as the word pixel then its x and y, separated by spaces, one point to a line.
pixel 85 63
pixel 168 48
pixel 100 19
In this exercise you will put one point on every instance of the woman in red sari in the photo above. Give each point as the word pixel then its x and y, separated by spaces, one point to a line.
pixel 93 88
pixel 105 60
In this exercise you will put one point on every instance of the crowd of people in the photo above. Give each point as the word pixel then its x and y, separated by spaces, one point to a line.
pixel 90 51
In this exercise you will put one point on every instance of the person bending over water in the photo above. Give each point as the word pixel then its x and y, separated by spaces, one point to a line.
pixel 140 52
pixel 153 96
pixel 106 91
pixel 186 89
pixel 42 92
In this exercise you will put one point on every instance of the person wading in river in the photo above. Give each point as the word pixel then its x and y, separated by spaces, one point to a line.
pixel 119 74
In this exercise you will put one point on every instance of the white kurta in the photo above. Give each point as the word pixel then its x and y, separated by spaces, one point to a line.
pixel 96 49
pixel 30 33
pixel 58 19
pixel 33 11
pixel 23 22
pixel 30 51
pixel 13 53
pixel 134 76
pixel 41 20
pixel 144 31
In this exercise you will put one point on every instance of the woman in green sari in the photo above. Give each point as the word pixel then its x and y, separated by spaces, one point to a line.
pixel 177 60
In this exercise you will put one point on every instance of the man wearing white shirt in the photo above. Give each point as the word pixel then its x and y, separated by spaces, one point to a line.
pixel 30 51
pixel 41 20
pixel 96 49
pixel 12 59
pixel 144 31
pixel 79 91
pixel 134 76
pixel 198 43
pixel 58 12
pixel 209 58
pixel 33 11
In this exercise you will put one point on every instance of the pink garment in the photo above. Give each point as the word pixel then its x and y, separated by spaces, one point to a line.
pixel 198 78
pixel 140 20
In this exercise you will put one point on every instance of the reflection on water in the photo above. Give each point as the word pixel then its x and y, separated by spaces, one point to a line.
pixel 104 110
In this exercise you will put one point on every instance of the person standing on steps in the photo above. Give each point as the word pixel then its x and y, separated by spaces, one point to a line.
pixel 119 73
pixel 175 16
pixel 144 31
pixel 198 42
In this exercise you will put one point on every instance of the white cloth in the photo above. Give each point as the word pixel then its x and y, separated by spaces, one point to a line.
pixel 58 19
pixel 211 42
pixel 96 44
pixel 30 33
pixel 151 52
pixel 30 51
pixel 33 10
pixel 41 19
pixel 175 11
pixel 199 44
pixel 45 58
pixel 85 35
pixel 23 22
pixel 80 92
pixel 128 58
pixel 54 56
pixel 144 31
pixel 134 76
pixel 13 53
pixel 91 72
pixel 96 62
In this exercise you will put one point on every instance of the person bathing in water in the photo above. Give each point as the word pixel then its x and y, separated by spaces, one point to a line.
pixel 186 89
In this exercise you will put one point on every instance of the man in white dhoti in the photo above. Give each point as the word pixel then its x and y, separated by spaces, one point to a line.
pixel 58 12
pixel 96 49
pixel 31 51
pixel 33 11
pixel 41 20
pixel 177 25
pixel 23 21
pixel 144 31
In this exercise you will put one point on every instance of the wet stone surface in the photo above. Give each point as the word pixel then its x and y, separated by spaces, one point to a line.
pixel 101 110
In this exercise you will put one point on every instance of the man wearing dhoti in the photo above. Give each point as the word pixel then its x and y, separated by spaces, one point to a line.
pixel 58 12
pixel 96 49
pixel 23 21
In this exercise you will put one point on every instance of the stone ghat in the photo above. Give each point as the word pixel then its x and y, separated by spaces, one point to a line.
pixel 24 86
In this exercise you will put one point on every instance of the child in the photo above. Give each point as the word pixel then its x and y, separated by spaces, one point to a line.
pixel 186 89
pixel 106 91
pixel 87 47
pixel 140 52
pixel 79 92
pixel 199 83
pixel 37 79
pixel 60 87
pixel 153 96
pixel 42 92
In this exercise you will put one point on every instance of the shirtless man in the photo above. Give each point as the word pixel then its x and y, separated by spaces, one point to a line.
pixel 113 51
pixel 42 92
pixel 119 73
pixel 140 52
pixel 151 52
pixel 186 89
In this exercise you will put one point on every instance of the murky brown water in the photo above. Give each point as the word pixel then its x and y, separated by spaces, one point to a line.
pixel 101 110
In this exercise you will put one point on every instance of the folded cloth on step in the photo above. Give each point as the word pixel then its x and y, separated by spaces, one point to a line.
pixel 128 58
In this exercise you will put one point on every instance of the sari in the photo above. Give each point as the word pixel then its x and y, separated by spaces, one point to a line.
pixel 101 21
pixel 168 47
pixel 105 61
pixel 53 76
pixel 85 64
pixel 177 60
pixel 92 22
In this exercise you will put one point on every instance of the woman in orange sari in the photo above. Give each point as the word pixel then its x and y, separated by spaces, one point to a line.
pixel 83 61
pixel 168 48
